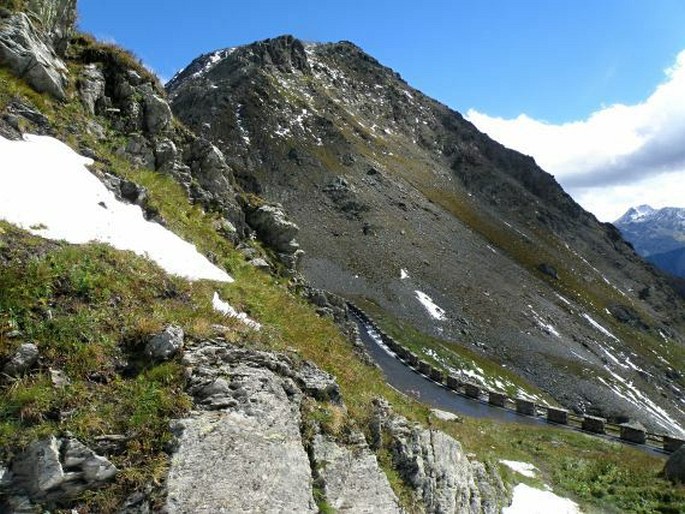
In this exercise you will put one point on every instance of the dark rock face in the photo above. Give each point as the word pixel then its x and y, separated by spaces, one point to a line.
pixel 674 470
pixel 379 178
pixel 137 108
pixel 548 270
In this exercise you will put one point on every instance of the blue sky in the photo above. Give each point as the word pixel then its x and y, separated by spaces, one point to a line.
pixel 556 61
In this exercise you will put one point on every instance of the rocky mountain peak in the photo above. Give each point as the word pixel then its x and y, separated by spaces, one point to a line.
pixel 381 178
pixel 635 214
pixel 285 53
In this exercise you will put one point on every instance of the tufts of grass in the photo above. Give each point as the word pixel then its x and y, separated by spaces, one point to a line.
pixel 87 49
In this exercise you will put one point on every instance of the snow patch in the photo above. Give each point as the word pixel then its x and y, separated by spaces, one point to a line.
pixel 600 327
pixel 433 309
pixel 546 327
pixel 563 299
pixel 625 389
pixel 44 183
pixel 523 468
pixel 212 61
pixel 227 310
pixel 403 274
pixel 379 340
pixel 529 500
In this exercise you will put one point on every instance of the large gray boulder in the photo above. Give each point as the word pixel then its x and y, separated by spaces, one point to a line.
pixel 156 112
pixel 674 470
pixel 22 360
pixel 24 52
pixel 57 469
pixel 166 344
pixel 436 467
pixel 209 167
pixel 277 231
pixel 274 228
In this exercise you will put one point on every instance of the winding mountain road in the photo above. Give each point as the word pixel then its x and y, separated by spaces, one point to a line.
pixel 411 382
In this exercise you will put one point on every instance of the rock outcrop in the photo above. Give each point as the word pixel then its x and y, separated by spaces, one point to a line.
pixel 57 19
pixel 91 86
pixel 24 52
pixel 250 417
pixel 350 477
pixel 249 414
pixel 275 228
pixel 166 344
pixel 674 470
pixel 436 467
pixel 55 469
pixel 136 107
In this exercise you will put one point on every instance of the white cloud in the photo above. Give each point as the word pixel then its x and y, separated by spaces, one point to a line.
pixel 621 155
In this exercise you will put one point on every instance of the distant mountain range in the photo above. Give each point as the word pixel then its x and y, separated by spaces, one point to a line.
pixel 658 235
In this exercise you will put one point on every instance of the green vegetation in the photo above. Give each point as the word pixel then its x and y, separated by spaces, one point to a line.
pixel 602 476
pixel 90 309
pixel 12 5
pixel 86 49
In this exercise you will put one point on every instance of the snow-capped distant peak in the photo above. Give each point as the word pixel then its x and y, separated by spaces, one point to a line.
pixel 641 211
pixel 636 214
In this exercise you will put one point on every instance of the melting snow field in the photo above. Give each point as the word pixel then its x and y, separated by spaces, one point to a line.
pixel 434 310
pixel 226 309
pixel 528 500
pixel 46 188
pixel 524 468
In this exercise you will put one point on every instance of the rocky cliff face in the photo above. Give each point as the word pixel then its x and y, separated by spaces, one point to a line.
pixel 405 205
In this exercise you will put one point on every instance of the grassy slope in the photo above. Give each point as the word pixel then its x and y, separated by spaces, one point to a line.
pixel 90 308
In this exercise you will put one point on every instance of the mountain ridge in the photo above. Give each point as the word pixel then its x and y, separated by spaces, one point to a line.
pixel 381 178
